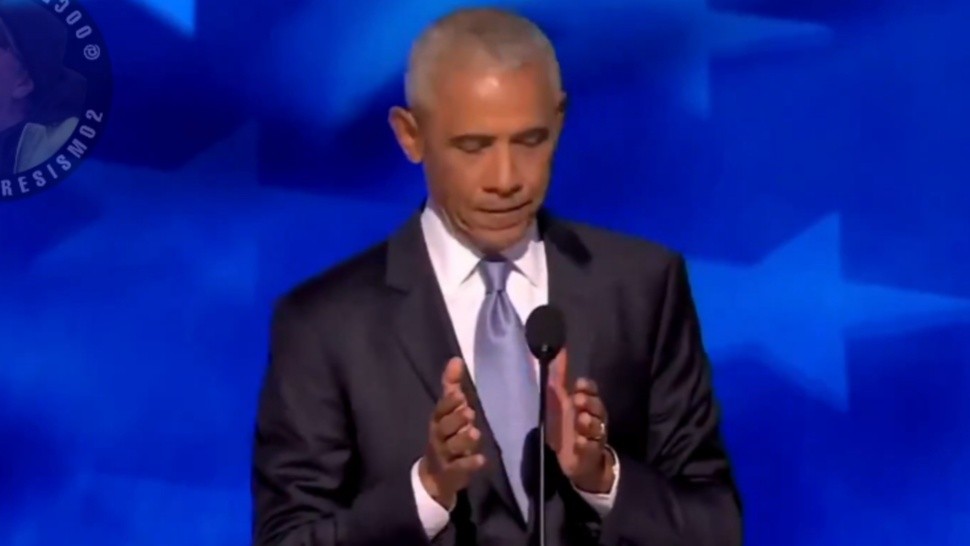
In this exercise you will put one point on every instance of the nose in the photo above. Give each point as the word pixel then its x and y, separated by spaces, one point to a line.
pixel 504 179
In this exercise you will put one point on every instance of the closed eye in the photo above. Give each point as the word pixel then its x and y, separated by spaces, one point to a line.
pixel 472 144
pixel 533 137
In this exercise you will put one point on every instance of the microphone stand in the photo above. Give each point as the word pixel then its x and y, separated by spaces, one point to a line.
pixel 544 362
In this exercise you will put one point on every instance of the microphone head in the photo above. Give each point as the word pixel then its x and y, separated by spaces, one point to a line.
pixel 545 332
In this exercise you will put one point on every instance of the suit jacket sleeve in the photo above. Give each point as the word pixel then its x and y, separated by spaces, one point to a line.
pixel 305 491
pixel 683 495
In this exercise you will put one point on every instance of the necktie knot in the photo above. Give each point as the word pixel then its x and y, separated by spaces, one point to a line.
pixel 495 272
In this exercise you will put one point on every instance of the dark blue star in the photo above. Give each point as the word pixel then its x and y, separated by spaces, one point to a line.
pixel 796 309
pixel 329 77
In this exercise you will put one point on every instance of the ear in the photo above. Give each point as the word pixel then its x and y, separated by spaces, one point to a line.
pixel 405 127
pixel 561 112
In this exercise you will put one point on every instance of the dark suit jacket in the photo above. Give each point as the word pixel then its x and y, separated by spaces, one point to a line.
pixel 356 359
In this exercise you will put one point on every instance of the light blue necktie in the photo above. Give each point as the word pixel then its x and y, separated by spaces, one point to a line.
pixel 504 375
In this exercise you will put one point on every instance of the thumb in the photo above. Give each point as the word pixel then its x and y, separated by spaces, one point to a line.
pixel 454 371
pixel 559 371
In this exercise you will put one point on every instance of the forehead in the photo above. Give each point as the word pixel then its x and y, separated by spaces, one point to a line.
pixel 493 101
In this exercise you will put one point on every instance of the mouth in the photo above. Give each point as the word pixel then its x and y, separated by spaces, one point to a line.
pixel 503 218
pixel 505 210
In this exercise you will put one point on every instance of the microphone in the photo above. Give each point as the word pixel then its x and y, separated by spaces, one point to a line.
pixel 545 333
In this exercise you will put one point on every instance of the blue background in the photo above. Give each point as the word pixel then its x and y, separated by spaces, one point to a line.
pixel 808 157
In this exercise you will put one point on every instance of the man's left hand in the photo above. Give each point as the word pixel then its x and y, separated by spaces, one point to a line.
pixel 577 430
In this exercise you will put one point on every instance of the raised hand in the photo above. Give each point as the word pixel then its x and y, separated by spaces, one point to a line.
pixel 577 429
pixel 452 454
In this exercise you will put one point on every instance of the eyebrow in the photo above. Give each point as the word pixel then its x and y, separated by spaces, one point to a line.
pixel 532 131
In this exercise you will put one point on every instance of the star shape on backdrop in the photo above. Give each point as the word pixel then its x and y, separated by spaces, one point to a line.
pixel 380 38
pixel 796 309
pixel 170 278
pixel 178 233
pixel 202 231
pixel 726 35
pixel 673 41
pixel 153 216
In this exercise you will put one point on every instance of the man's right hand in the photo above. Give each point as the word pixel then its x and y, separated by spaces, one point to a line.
pixel 453 441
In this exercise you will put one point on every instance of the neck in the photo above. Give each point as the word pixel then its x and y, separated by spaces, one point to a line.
pixel 450 227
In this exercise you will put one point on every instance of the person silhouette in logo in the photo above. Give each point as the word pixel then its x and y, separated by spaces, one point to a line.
pixel 40 99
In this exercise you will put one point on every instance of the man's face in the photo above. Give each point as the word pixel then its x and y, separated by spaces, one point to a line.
pixel 487 140
pixel 9 67
pixel 15 83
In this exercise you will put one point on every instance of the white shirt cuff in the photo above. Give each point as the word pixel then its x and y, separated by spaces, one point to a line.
pixel 434 518
pixel 602 503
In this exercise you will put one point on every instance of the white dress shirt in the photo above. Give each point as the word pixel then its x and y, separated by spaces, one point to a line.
pixel 455 265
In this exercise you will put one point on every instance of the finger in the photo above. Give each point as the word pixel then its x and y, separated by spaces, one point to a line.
pixel 464 443
pixel 587 386
pixel 591 404
pixel 450 401
pixel 586 449
pixel 559 371
pixel 451 424
pixel 453 374
pixel 590 427
pixel 469 463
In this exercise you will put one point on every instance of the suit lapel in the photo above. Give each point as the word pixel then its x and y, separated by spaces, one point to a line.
pixel 420 320
pixel 427 336
pixel 425 333
pixel 569 285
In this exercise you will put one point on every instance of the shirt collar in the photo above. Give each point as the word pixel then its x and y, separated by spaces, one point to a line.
pixel 455 260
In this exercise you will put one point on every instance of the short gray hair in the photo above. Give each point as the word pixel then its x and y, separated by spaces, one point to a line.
pixel 491 37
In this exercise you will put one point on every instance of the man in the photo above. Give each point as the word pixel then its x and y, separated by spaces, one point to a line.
pixel 40 99
pixel 400 399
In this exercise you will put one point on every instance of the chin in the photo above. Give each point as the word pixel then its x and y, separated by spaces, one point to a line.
pixel 498 240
